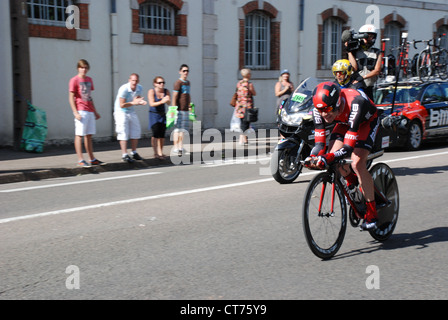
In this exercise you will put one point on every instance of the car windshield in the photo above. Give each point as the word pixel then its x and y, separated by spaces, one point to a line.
pixel 405 94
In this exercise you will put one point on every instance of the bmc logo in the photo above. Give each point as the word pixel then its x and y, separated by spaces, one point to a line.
pixel 438 118
pixel 350 136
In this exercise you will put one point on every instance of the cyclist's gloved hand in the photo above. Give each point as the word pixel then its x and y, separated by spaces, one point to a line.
pixel 324 160
pixel 310 162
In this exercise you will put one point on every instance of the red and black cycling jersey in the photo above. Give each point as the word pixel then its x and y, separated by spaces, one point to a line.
pixel 357 112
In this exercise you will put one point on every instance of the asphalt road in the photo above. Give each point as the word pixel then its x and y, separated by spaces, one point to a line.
pixel 214 232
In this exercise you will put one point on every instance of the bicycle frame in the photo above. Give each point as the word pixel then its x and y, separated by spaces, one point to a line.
pixel 427 61
pixel 380 198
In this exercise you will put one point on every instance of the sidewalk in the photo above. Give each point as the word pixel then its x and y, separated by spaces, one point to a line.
pixel 61 161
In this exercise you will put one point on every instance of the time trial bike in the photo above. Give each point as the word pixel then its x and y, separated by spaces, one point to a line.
pixel 327 198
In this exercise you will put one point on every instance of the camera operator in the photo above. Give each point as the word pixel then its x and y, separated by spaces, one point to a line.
pixel 363 56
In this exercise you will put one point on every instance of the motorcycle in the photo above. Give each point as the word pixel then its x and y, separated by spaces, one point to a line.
pixel 295 123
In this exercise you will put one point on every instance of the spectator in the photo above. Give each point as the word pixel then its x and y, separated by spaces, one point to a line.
pixel 84 111
pixel 245 91
pixel 127 124
pixel 158 99
pixel 181 98
pixel 284 87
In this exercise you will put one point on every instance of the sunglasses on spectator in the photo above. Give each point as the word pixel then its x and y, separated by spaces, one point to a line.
pixel 161 82
pixel 185 71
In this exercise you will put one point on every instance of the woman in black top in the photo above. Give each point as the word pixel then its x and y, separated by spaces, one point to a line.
pixel 158 99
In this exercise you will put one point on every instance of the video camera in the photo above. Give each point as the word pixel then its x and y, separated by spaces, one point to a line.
pixel 353 39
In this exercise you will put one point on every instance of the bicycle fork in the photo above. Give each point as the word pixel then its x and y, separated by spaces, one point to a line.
pixel 322 196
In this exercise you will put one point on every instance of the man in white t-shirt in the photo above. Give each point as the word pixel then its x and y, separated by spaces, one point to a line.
pixel 127 124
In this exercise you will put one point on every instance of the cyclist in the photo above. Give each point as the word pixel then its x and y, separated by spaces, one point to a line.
pixel 354 134
pixel 346 77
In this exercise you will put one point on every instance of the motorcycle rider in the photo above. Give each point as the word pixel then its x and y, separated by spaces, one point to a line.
pixel 346 77
pixel 354 134
pixel 366 59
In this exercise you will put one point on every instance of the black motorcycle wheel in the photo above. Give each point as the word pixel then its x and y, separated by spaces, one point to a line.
pixel 283 166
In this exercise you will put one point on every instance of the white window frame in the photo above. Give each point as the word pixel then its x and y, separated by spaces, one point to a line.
pixel 331 42
pixel 157 18
pixel 40 12
pixel 257 45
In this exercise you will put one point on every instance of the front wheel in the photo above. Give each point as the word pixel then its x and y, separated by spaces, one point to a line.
pixel 386 183
pixel 324 216
pixel 284 167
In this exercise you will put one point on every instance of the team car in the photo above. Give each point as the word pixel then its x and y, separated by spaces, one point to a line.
pixel 420 112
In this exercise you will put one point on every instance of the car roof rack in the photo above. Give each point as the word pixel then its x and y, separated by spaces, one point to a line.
pixel 410 81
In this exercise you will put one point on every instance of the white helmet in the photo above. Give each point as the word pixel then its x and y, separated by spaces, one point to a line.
pixel 370 30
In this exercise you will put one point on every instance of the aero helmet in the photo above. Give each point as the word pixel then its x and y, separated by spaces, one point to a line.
pixel 345 67
pixel 326 97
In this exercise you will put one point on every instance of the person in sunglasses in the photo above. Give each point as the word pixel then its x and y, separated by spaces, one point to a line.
pixel 159 99
pixel 181 99
pixel 354 134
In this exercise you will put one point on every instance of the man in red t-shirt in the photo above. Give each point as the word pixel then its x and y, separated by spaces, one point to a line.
pixel 81 102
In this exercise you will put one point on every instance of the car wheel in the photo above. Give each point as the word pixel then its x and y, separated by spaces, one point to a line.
pixel 415 136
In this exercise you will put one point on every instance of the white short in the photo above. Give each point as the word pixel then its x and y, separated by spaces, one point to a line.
pixel 87 125
pixel 127 126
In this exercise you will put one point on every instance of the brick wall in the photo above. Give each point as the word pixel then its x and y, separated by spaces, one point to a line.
pixel 159 39
pixel 56 32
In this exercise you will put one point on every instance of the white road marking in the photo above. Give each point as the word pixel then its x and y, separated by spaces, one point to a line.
pixel 114 203
pixel 79 182
pixel 179 193
pixel 206 165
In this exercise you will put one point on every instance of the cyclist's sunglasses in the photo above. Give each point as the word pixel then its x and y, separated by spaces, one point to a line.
pixel 326 109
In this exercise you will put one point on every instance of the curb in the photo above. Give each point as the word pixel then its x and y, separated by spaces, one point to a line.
pixel 39 174
pixel 36 175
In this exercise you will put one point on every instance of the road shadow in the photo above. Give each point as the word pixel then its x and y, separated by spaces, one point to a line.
pixel 405 171
pixel 418 240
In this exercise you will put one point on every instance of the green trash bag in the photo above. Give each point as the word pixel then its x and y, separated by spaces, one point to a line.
pixel 171 116
pixel 35 130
